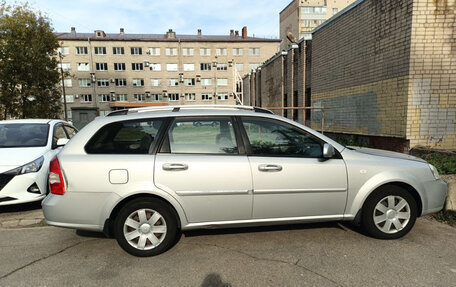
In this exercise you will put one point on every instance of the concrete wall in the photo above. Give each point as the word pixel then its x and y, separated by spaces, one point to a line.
pixel 432 88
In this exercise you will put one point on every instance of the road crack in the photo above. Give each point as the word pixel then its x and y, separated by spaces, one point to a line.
pixel 43 258
pixel 269 260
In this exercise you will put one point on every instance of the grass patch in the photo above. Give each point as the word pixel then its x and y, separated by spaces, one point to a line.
pixel 446 217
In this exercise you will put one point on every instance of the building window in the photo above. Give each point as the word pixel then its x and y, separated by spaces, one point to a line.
pixel 65 66
pixel 101 66
pixel 84 83
pixel 136 50
pixel 222 82
pixel 120 82
pixel 190 97
pixel 313 10
pixel 63 50
pixel 189 82
pixel 206 97
pixel 156 97
pixel 103 98
pixel 139 97
pixel 254 51
pixel 138 82
pixel 137 66
pixel 189 67
pixel 155 67
pixel 222 96
pixel 103 82
pixel 69 98
pixel 240 67
pixel 206 66
pixel 238 51
pixel 154 51
pixel 206 82
pixel 220 51
pixel 171 51
pixel 222 67
pixel 173 97
pixel 100 50
pixel 68 83
pixel 155 82
pixel 118 50
pixel 188 51
pixel 119 66
pixel 335 10
pixel 253 66
pixel 81 51
pixel 205 51
pixel 86 98
pixel 84 67
pixel 122 97
pixel 171 67
pixel 172 82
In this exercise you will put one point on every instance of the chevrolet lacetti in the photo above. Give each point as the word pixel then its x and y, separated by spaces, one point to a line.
pixel 146 174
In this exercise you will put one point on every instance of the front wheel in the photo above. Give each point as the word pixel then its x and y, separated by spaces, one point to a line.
pixel 389 213
pixel 145 227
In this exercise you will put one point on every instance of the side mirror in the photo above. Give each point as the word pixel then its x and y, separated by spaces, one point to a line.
pixel 328 151
pixel 62 142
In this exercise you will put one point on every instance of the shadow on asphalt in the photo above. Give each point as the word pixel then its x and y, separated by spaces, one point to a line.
pixel 337 225
pixel 20 207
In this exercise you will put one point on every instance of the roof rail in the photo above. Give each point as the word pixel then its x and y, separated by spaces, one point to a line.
pixel 188 107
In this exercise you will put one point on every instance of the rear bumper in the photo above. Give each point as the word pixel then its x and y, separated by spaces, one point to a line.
pixel 436 192
pixel 79 210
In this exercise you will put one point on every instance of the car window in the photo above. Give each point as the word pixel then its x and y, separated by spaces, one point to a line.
pixel 202 135
pixel 59 133
pixel 271 137
pixel 70 131
pixel 127 137
pixel 23 135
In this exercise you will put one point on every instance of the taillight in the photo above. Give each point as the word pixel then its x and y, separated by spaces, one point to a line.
pixel 56 183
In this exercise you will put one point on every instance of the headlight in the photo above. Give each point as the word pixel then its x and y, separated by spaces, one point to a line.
pixel 33 166
pixel 434 171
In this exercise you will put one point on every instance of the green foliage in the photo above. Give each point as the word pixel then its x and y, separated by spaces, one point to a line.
pixel 28 65
pixel 445 162
pixel 447 217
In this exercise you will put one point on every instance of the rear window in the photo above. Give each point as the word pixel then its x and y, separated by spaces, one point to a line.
pixel 128 137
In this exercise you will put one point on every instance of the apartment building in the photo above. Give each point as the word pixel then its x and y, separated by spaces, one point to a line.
pixel 116 71
pixel 300 17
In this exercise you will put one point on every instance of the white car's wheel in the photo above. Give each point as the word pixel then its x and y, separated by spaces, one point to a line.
pixel 389 213
pixel 145 227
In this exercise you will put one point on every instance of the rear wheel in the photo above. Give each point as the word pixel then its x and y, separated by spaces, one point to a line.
pixel 145 227
pixel 389 213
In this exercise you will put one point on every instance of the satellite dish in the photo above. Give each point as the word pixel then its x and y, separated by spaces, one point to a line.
pixel 291 37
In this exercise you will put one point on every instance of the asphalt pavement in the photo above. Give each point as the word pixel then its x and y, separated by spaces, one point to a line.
pixel 330 254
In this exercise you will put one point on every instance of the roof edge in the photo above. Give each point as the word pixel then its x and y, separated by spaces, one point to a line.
pixel 340 14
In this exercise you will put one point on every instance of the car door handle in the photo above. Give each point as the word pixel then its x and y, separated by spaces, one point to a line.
pixel 269 167
pixel 175 166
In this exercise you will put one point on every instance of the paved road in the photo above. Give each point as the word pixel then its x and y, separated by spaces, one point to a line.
pixel 303 255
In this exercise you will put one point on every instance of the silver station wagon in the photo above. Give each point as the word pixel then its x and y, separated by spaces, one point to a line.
pixel 145 175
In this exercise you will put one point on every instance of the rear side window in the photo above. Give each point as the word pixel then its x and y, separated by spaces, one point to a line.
pixel 128 137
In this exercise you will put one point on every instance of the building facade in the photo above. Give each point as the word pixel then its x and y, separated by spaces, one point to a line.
pixel 115 71
pixel 390 81
pixel 300 17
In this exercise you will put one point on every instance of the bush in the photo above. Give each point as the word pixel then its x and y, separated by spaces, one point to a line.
pixel 445 162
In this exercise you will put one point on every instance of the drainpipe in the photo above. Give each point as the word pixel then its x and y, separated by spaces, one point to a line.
pixel 92 77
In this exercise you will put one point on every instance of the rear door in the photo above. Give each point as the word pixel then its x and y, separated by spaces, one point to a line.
pixel 202 161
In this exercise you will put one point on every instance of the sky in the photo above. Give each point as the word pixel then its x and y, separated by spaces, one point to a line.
pixel 157 16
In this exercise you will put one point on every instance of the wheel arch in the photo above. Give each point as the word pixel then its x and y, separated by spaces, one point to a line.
pixel 108 225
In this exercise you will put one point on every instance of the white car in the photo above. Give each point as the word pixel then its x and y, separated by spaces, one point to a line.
pixel 26 148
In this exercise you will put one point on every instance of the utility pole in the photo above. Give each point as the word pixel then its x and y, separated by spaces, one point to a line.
pixel 92 77
pixel 63 88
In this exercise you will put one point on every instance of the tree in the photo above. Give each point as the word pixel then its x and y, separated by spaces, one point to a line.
pixel 29 79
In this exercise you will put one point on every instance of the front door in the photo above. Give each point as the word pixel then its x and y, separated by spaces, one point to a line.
pixel 290 176
pixel 200 163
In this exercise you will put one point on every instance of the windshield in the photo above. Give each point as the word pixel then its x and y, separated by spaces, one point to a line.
pixel 23 135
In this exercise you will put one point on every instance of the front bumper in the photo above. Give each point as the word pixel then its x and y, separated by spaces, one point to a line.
pixel 14 190
pixel 436 192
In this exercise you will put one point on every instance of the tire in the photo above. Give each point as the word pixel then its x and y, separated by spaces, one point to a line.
pixel 389 213
pixel 146 238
